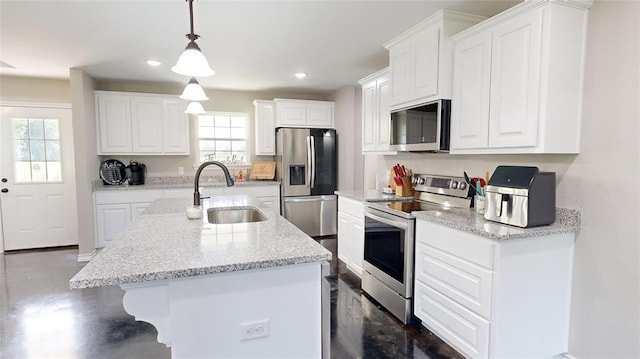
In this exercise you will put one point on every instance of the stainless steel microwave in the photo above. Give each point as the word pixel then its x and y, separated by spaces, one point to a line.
pixel 422 128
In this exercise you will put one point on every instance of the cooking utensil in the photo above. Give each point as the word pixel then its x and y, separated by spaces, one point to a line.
pixel 469 182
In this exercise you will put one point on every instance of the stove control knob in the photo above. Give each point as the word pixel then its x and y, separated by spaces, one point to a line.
pixel 454 184
pixel 422 181
pixel 462 185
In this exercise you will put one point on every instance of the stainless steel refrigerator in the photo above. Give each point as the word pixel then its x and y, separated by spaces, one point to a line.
pixel 306 168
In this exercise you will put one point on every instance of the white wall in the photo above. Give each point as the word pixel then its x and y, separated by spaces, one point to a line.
pixel 87 162
pixel 602 181
pixel 348 125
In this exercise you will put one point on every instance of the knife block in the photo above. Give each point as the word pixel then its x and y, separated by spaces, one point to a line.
pixel 406 190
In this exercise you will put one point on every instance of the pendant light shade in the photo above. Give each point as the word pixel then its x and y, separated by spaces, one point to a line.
pixel 194 108
pixel 193 63
pixel 193 91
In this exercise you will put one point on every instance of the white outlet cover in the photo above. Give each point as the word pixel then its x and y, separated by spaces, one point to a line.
pixel 253 330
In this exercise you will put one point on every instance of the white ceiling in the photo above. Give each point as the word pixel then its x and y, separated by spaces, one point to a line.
pixel 252 45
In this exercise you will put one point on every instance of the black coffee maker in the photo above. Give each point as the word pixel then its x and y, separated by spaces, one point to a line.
pixel 137 172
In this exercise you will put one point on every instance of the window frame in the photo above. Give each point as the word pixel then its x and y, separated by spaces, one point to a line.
pixel 248 137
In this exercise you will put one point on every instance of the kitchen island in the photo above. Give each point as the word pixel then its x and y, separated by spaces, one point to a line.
pixel 217 290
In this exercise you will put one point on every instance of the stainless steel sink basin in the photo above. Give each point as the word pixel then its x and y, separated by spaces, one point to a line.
pixel 235 215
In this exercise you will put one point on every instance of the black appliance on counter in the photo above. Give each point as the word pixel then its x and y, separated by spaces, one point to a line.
pixel 521 196
pixel 389 239
pixel 136 172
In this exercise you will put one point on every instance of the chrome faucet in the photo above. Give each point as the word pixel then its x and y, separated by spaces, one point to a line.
pixel 196 191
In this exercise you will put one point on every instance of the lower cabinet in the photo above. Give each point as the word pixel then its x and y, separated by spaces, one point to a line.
pixel 494 299
pixel 116 209
pixel 351 233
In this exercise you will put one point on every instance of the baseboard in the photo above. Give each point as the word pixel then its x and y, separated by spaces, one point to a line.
pixel 86 257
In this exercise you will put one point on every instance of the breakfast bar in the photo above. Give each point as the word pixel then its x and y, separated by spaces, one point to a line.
pixel 217 290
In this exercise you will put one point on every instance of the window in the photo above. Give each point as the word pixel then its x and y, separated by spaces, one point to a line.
pixel 223 137
pixel 36 150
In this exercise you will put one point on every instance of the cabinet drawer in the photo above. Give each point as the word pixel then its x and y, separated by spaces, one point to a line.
pixel 462 329
pixel 464 245
pixel 462 281
pixel 127 196
pixel 351 206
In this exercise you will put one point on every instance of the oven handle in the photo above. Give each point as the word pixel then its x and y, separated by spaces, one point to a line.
pixel 387 221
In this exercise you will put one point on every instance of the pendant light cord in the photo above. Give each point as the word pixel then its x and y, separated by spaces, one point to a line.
pixel 191 36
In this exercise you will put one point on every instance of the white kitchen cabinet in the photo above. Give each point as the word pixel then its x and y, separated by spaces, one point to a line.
pixel 134 123
pixel 351 233
pixel 376 118
pixel 518 81
pixel 303 113
pixel 494 299
pixel 264 128
pixel 420 59
pixel 111 219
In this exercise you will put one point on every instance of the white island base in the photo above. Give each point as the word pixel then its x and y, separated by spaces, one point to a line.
pixel 259 313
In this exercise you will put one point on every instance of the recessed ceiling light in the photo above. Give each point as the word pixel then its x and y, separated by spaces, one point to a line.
pixel 153 63
pixel 300 75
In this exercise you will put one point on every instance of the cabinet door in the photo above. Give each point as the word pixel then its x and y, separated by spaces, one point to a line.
pixel 369 116
pixel 137 209
pixel 383 133
pixel 264 128
pixel 470 102
pixel 320 115
pixel 291 114
pixel 425 63
pixel 114 124
pixel 146 125
pixel 111 220
pixel 345 238
pixel 176 128
pixel 400 65
pixel 357 245
pixel 515 82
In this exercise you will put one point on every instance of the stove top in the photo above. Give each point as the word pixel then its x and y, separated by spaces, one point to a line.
pixel 432 192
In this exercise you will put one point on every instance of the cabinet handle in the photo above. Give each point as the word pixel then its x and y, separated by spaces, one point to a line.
pixel 4 190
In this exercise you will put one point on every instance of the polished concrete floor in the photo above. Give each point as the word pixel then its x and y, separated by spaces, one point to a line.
pixel 40 317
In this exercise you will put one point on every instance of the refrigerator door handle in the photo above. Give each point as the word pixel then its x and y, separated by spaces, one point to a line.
pixel 308 167
pixel 313 161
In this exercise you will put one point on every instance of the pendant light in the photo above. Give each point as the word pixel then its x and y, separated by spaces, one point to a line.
pixel 192 62
pixel 194 108
pixel 193 91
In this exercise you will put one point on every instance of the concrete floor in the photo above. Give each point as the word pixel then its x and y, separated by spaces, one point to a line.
pixel 40 317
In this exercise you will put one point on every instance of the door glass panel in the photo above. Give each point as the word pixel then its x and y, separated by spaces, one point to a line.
pixel 36 150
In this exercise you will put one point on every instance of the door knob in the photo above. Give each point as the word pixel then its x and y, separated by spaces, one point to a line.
pixel 4 190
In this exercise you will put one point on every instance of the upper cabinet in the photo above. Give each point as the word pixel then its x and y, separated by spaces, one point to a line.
pixel 421 59
pixel 376 119
pixel 303 113
pixel 264 125
pixel 517 84
pixel 136 123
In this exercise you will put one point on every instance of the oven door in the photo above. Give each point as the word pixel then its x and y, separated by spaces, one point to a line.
pixel 388 250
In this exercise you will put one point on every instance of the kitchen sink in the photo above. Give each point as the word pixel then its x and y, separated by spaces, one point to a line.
pixel 235 215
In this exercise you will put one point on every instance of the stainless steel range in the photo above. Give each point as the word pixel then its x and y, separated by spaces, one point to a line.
pixel 389 239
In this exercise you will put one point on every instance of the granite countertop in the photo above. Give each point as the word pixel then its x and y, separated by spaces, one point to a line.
pixel 567 221
pixel 163 244
pixel 178 182
pixel 372 196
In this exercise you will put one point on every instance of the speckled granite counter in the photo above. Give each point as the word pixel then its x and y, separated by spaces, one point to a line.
pixel 163 244
pixel 567 221
pixel 178 182
pixel 371 196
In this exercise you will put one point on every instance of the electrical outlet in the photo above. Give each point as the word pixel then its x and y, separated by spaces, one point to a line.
pixel 253 330
pixel 180 170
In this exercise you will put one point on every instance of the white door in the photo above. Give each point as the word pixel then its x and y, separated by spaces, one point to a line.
pixel 38 198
